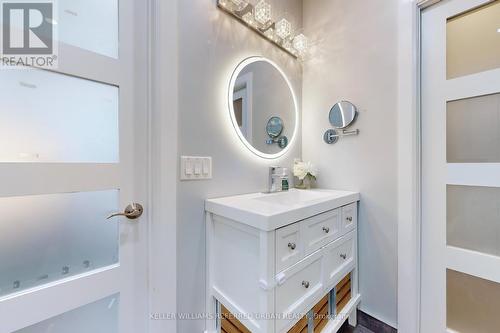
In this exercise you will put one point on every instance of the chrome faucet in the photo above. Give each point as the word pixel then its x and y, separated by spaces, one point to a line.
pixel 271 182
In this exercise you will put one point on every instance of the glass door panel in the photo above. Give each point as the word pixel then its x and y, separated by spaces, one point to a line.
pixel 473 129
pixel 97 317
pixel 51 117
pixel 472 303
pixel 90 25
pixel 473 41
pixel 49 237
pixel 473 218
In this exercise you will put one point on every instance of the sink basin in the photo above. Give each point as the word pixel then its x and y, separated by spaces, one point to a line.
pixel 292 197
pixel 270 211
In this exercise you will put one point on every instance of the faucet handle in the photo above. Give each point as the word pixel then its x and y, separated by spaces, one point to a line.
pixel 273 170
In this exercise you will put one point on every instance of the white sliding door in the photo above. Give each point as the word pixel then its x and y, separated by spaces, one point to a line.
pixel 461 167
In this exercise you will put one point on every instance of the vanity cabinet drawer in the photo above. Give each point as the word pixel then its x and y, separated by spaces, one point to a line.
pixel 320 230
pixel 289 249
pixel 339 258
pixel 349 217
pixel 297 288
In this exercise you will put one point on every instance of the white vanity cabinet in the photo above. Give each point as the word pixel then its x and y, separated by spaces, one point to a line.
pixel 272 257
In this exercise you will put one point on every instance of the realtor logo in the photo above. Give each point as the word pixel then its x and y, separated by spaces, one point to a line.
pixel 28 30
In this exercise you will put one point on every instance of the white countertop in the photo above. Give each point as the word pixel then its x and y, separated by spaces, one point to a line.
pixel 270 211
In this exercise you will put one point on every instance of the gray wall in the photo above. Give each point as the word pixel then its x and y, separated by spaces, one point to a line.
pixel 355 58
pixel 211 44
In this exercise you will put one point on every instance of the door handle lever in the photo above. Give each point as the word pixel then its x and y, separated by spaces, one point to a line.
pixel 132 212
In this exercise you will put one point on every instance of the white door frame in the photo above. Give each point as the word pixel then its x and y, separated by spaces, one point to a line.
pixel 409 164
pixel 162 97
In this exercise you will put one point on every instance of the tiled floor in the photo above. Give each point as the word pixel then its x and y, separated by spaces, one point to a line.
pixel 348 329
pixel 365 321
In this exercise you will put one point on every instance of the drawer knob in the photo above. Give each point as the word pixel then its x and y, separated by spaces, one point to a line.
pixel 343 256
pixel 326 229
pixel 292 246
pixel 305 284
pixel 349 218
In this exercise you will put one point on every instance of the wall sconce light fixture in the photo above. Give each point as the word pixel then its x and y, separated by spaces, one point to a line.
pixel 259 19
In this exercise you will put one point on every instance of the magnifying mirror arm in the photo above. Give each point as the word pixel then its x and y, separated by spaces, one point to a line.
pixel 282 141
pixel 331 136
pixel 272 141
pixel 351 132
pixel 344 133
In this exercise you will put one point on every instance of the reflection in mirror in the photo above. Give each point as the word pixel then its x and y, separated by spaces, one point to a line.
pixel 274 127
pixel 283 142
pixel 263 107
pixel 343 114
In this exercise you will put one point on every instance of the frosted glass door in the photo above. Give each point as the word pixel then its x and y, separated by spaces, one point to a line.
pixel 90 24
pixel 67 163
pixel 98 317
pixel 50 117
pixel 67 239
pixel 460 167
pixel 472 303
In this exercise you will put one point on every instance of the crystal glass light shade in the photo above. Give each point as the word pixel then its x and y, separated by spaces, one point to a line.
pixel 258 16
pixel 287 44
pixel 283 28
pixel 234 5
pixel 300 43
pixel 263 12
pixel 239 5
pixel 249 19
pixel 269 33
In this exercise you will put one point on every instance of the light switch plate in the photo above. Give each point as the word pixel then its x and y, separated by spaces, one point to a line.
pixel 196 168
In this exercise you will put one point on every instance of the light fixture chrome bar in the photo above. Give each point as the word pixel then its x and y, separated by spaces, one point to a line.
pixel 225 6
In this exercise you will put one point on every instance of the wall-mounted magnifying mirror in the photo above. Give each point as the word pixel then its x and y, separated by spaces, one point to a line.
pixel 274 127
pixel 283 142
pixel 343 114
pixel 263 107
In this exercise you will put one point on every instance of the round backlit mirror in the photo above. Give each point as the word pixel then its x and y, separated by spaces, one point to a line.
pixel 343 114
pixel 274 127
pixel 263 107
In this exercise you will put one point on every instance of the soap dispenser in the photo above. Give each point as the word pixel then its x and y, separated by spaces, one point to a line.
pixel 285 184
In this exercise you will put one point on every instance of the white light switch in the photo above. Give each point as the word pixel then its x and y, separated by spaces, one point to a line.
pixel 196 168
pixel 207 166
pixel 188 168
